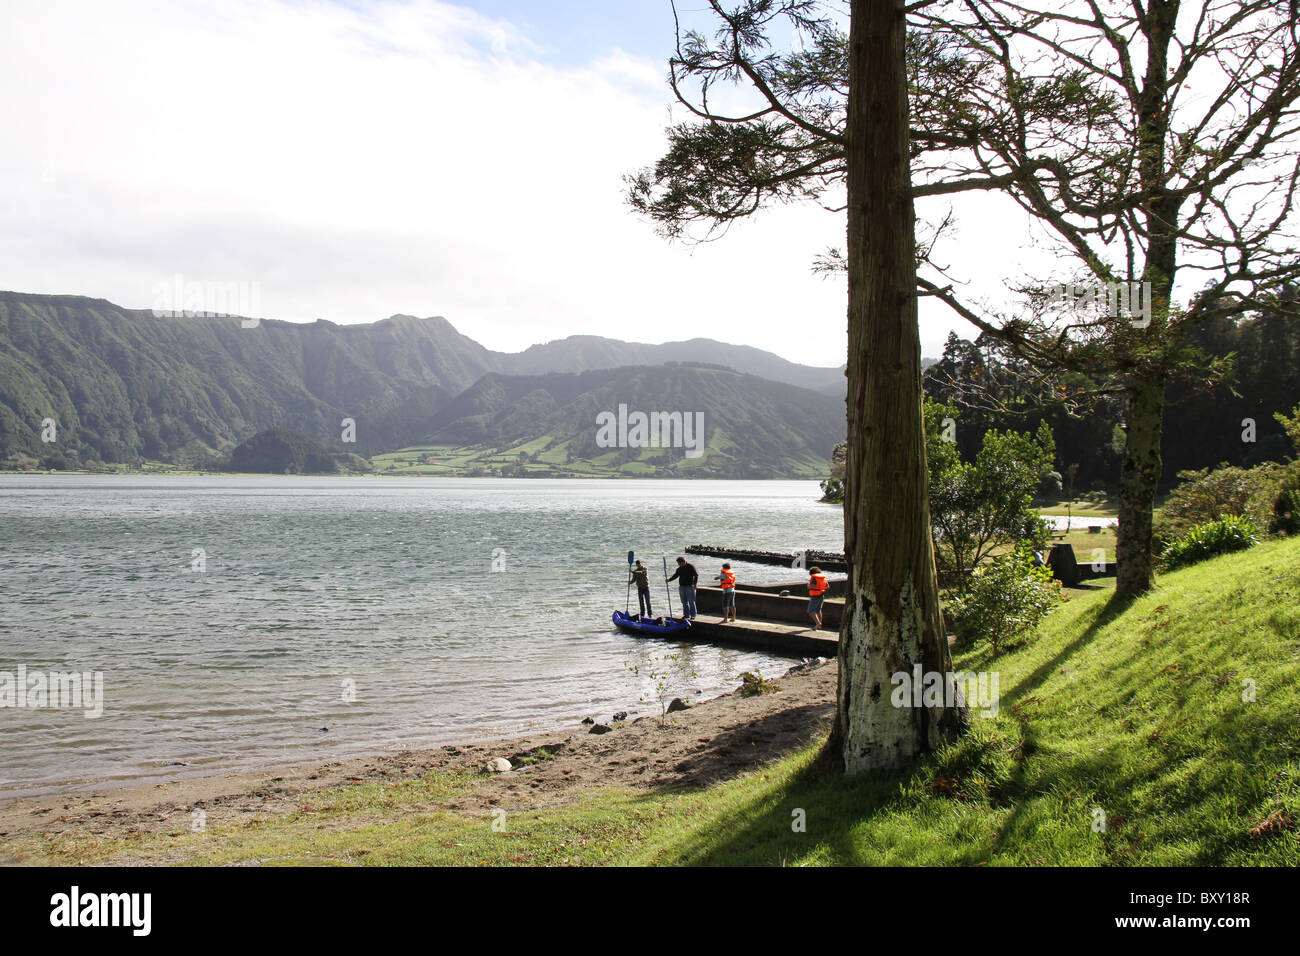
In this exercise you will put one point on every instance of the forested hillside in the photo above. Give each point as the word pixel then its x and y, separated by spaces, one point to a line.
pixel 751 427
pixel 121 385
pixel 1205 422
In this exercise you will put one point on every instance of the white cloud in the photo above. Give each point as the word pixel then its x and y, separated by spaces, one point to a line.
pixel 623 65
pixel 359 162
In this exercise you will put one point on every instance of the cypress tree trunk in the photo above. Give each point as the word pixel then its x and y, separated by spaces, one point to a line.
pixel 1140 472
pixel 1139 476
pixel 892 620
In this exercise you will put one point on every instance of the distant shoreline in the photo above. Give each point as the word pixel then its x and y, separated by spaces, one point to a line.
pixel 372 474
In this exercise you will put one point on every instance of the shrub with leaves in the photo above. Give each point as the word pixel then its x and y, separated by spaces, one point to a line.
pixel 1005 597
pixel 979 506
pixel 1228 534
pixel 833 487
pixel 1285 517
pixel 755 685
pixel 1207 495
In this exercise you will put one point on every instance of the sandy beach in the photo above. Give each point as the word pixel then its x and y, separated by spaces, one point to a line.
pixel 707 743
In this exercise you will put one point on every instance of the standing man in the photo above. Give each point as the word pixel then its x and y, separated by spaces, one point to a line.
pixel 641 578
pixel 817 588
pixel 728 579
pixel 686 578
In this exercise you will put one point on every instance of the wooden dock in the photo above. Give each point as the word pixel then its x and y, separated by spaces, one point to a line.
pixel 765 622
pixel 772 637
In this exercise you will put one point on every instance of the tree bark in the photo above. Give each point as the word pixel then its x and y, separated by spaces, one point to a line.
pixel 892 620
pixel 1140 471
pixel 1139 477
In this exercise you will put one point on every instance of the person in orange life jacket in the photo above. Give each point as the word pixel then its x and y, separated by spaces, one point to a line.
pixel 728 579
pixel 641 578
pixel 817 588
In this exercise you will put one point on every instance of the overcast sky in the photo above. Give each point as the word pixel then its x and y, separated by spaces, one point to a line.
pixel 353 160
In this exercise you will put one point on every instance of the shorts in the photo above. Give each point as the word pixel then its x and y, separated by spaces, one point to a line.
pixel 815 603
pixel 728 599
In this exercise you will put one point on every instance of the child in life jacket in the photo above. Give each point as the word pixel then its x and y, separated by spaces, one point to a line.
pixel 817 588
pixel 728 579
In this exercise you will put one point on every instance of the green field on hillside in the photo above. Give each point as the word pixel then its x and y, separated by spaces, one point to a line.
pixel 548 456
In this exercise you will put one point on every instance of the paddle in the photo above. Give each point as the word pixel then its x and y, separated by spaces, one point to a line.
pixel 668 589
pixel 627 607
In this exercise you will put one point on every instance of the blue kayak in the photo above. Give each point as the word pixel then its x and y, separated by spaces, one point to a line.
pixel 633 624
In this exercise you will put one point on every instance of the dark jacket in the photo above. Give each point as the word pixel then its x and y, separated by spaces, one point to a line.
pixel 689 577
pixel 642 579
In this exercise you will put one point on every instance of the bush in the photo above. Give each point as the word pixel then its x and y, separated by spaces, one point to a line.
pixel 755 685
pixel 1285 517
pixel 19 462
pixel 1050 486
pixel 1286 509
pixel 833 487
pixel 978 506
pixel 1207 495
pixel 1009 595
pixel 1165 530
pixel 1285 513
pixel 1228 534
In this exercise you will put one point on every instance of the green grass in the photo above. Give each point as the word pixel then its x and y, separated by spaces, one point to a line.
pixel 551 461
pixel 557 454
pixel 1135 713
pixel 529 447
pixel 146 467
pixel 1083 542
pixel 552 455
pixel 1081 509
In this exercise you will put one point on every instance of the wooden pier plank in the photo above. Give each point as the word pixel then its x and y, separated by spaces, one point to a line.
pixel 772 637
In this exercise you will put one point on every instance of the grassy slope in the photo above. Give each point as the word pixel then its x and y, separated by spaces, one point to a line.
pixel 1137 711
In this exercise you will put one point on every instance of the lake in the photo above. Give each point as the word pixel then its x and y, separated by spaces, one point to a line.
pixel 245 621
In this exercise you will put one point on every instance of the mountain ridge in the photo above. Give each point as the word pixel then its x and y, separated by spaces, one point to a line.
pixel 697 420
pixel 126 384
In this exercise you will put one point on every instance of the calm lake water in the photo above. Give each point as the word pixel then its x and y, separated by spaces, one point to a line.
pixel 239 622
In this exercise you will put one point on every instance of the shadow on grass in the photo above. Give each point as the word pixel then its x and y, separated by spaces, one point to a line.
pixel 760 830
pixel 869 821
pixel 1169 761
pixel 1115 605
pixel 1017 791
pixel 763 831
pixel 1148 805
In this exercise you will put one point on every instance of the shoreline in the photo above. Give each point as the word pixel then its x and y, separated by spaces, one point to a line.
pixel 575 476
pixel 180 775
pixel 176 774
pixel 707 743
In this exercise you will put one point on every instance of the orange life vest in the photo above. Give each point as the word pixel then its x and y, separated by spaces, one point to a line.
pixel 728 579
pixel 817 584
